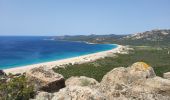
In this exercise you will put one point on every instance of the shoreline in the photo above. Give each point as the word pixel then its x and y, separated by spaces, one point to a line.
pixel 73 60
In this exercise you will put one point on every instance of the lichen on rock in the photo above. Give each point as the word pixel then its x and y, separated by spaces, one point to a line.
pixel 141 65
pixel 45 79
pixel 140 70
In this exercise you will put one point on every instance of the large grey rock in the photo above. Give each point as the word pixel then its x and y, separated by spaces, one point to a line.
pixel 78 93
pixel 71 93
pixel 155 85
pixel 81 81
pixel 43 96
pixel 140 70
pixel 118 75
pixel 115 82
pixel 137 82
pixel 45 79
pixel 125 76
pixel 166 75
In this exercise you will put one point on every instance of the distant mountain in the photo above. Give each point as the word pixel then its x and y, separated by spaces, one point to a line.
pixel 153 37
pixel 91 38
pixel 157 37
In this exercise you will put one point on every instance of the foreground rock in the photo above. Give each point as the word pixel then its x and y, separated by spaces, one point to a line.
pixel 81 81
pixel 155 85
pixel 141 70
pixel 45 79
pixel 137 82
pixel 43 96
pixel 72 93
pixel 116 76
pixel 166 75
pixel 78 93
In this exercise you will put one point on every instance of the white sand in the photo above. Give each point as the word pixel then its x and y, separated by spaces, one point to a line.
pixel 74 60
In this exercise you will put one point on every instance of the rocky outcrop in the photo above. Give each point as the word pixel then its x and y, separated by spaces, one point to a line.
pixel 43 96
pixel 166 75
pixel 116 76
pixel 46 80
pixel 72 93
pixel 81 81
pixel 155 85
pixel 126 76
pixel 78 93
pixel 141 70
pixel 137 82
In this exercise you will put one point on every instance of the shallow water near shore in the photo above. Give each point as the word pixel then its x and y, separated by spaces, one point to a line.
pixel 20 51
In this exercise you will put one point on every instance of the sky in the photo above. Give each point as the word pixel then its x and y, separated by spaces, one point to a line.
pixel 77 17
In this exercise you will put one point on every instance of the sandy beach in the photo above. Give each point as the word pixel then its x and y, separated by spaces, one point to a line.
pixel 74 60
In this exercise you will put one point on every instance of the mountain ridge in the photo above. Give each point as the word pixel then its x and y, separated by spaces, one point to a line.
pixel 148 35
pixel 152 37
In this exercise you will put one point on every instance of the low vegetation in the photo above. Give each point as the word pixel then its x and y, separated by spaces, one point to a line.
pixel 158 58
pixel 16 89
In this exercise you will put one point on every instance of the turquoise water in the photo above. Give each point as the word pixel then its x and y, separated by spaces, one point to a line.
pixel 21 51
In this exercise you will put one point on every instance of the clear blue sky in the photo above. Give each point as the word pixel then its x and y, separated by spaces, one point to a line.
pixel 71 17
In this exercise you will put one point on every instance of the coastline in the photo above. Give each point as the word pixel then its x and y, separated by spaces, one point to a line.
pixel 73 60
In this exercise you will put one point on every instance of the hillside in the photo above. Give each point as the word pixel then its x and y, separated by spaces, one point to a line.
pixel 91 38
pixel 153 35
pixel 151 38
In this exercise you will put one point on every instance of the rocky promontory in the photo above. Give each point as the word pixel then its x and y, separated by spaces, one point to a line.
pixel 136 82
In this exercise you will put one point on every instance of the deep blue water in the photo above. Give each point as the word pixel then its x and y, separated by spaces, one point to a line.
pixel 19 51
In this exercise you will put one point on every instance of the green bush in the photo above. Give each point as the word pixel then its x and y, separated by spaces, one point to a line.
pixel 16 89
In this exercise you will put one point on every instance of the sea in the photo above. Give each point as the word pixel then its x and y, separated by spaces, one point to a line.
pixel 16 51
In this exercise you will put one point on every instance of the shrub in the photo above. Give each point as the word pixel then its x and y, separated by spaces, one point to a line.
pixel 16 89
